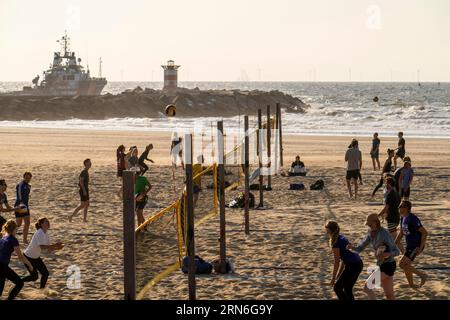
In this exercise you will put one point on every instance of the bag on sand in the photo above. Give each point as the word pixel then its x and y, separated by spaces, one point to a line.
pixel 296 186
pixel 201 266
pixel 229 266
pixel 239 202
pixel 318 185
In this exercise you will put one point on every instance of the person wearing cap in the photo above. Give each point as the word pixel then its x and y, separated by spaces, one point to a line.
pixel 401 151
pixel 385 251
pixel 353 157
pixel 386 170
pixel 390 209
pixel 406 178
pixel 416 237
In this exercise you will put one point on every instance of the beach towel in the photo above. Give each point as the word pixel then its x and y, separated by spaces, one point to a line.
pixel 296 186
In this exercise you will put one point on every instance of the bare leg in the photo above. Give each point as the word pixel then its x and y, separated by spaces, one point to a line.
pixel 195 199
pixel 373 163
pixel 406 265
pixel 349 187
pixel 387 283
pixel 81 206
pixel 26 227
pixel 395 162
pixel 19 222
pixel 355 182
pixel 85 211
pixel 140 216
pixel 378 163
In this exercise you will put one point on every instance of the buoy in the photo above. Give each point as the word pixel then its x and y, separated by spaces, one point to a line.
pixel 375 99
pixel 171 110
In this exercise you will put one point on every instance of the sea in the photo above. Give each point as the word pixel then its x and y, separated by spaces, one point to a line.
pixel 336 108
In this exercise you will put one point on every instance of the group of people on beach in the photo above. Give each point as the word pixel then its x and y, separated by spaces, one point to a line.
pixel 397 211
pixel 9 244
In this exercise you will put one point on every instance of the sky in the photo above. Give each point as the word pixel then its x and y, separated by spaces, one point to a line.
pixel 231 40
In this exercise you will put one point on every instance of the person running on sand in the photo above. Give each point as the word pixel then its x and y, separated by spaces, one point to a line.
pixel 21 206
pixel 401 151
pixel 390 210
pixel 83 183
pixel 374 152
pixel 347 264
pixel 40 241
pixel 416 237
pixel 143 157
pixel 406 178
pixel 386 170
pixel 4 205
pixel 385 251
pixel 353 157
pixel 141 189
pixel 8 245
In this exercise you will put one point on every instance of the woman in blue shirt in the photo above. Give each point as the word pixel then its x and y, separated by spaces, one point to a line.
pixel 8 245
pixel 347 265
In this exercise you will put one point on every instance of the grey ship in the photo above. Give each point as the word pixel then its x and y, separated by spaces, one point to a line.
pixel 65 77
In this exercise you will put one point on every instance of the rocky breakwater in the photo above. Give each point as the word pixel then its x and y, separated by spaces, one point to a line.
pixel 146 103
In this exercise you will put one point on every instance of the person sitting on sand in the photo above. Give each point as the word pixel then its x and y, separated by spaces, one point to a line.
pixel 9 245
pixel 386 170
pixel 22 208
pixel 4 205
pixel 141 189
pixel 347 264
pixel 83 184
pixel 401 151
pixel 297 168
pixel 143 157
pixel 405 179
pixel 385 251
pixel 374 152
pixel 416 237
pixel 40 241
pixel 390 209
pixel 353 157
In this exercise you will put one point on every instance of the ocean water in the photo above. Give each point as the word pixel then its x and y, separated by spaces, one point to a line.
pixel 336 109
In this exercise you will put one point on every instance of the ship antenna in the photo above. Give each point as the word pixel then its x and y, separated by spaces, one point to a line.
pixel 100 67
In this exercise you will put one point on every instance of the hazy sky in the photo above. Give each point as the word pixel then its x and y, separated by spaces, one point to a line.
pixel 291 40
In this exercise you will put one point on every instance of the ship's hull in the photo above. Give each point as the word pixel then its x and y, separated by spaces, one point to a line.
pixel 92 87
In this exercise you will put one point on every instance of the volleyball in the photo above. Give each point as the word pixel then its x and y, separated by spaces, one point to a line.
pixel 171 110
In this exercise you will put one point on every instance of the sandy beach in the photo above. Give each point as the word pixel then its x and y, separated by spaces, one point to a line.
pixel 284 257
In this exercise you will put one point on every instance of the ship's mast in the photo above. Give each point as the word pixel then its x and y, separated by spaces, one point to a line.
pixel 65 43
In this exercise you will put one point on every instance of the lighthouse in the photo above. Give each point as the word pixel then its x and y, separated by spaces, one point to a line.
pixel 170 75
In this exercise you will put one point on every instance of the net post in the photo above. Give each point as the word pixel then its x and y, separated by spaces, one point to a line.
pixel 277 139
pixel 129 236
pixel 261 178
pixel 269 165
pixel 190 215
pixel 221 179
pixel 246 165
pixel 280 132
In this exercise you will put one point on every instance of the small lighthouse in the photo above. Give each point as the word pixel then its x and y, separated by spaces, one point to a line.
pixel 170 75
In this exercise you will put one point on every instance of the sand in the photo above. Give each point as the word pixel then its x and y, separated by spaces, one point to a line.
pixel 284 257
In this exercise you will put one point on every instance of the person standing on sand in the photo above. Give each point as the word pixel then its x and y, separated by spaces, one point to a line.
pixel 401 151
pixel 385 251
pixel 405 179
pixel 141 189
pixel 347 265
pixel 374 152
pixel 353 157
pixel 40 241
pixel 143 157
pixel 386 170
pixel 4 205
pixel 8 245
pixel 83 184
pixel 416 237
pixel 390 210
pixel 133 160
pixel 21 206
pixel 121 166
pixel 176 150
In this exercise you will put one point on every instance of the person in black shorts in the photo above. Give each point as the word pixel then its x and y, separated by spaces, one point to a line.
pixel 4 205
pixel 83 184
pixel 353 157
pixel 374 152
pixel 386 170
pixel 401 151
pixel 416 237
pixel 143 157
pixel 390 209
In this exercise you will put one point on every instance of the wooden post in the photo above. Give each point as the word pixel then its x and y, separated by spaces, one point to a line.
pixel 261 178
pixel 280 132
pixel 269 165
pixel 221 178
pixel 187 148
pixel 276 140
pixel 246 185
pixel 129 238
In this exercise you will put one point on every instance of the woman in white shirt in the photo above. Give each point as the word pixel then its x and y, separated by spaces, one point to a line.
pixel 39 242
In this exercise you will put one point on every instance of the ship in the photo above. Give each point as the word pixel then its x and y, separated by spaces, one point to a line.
pixel 65 77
